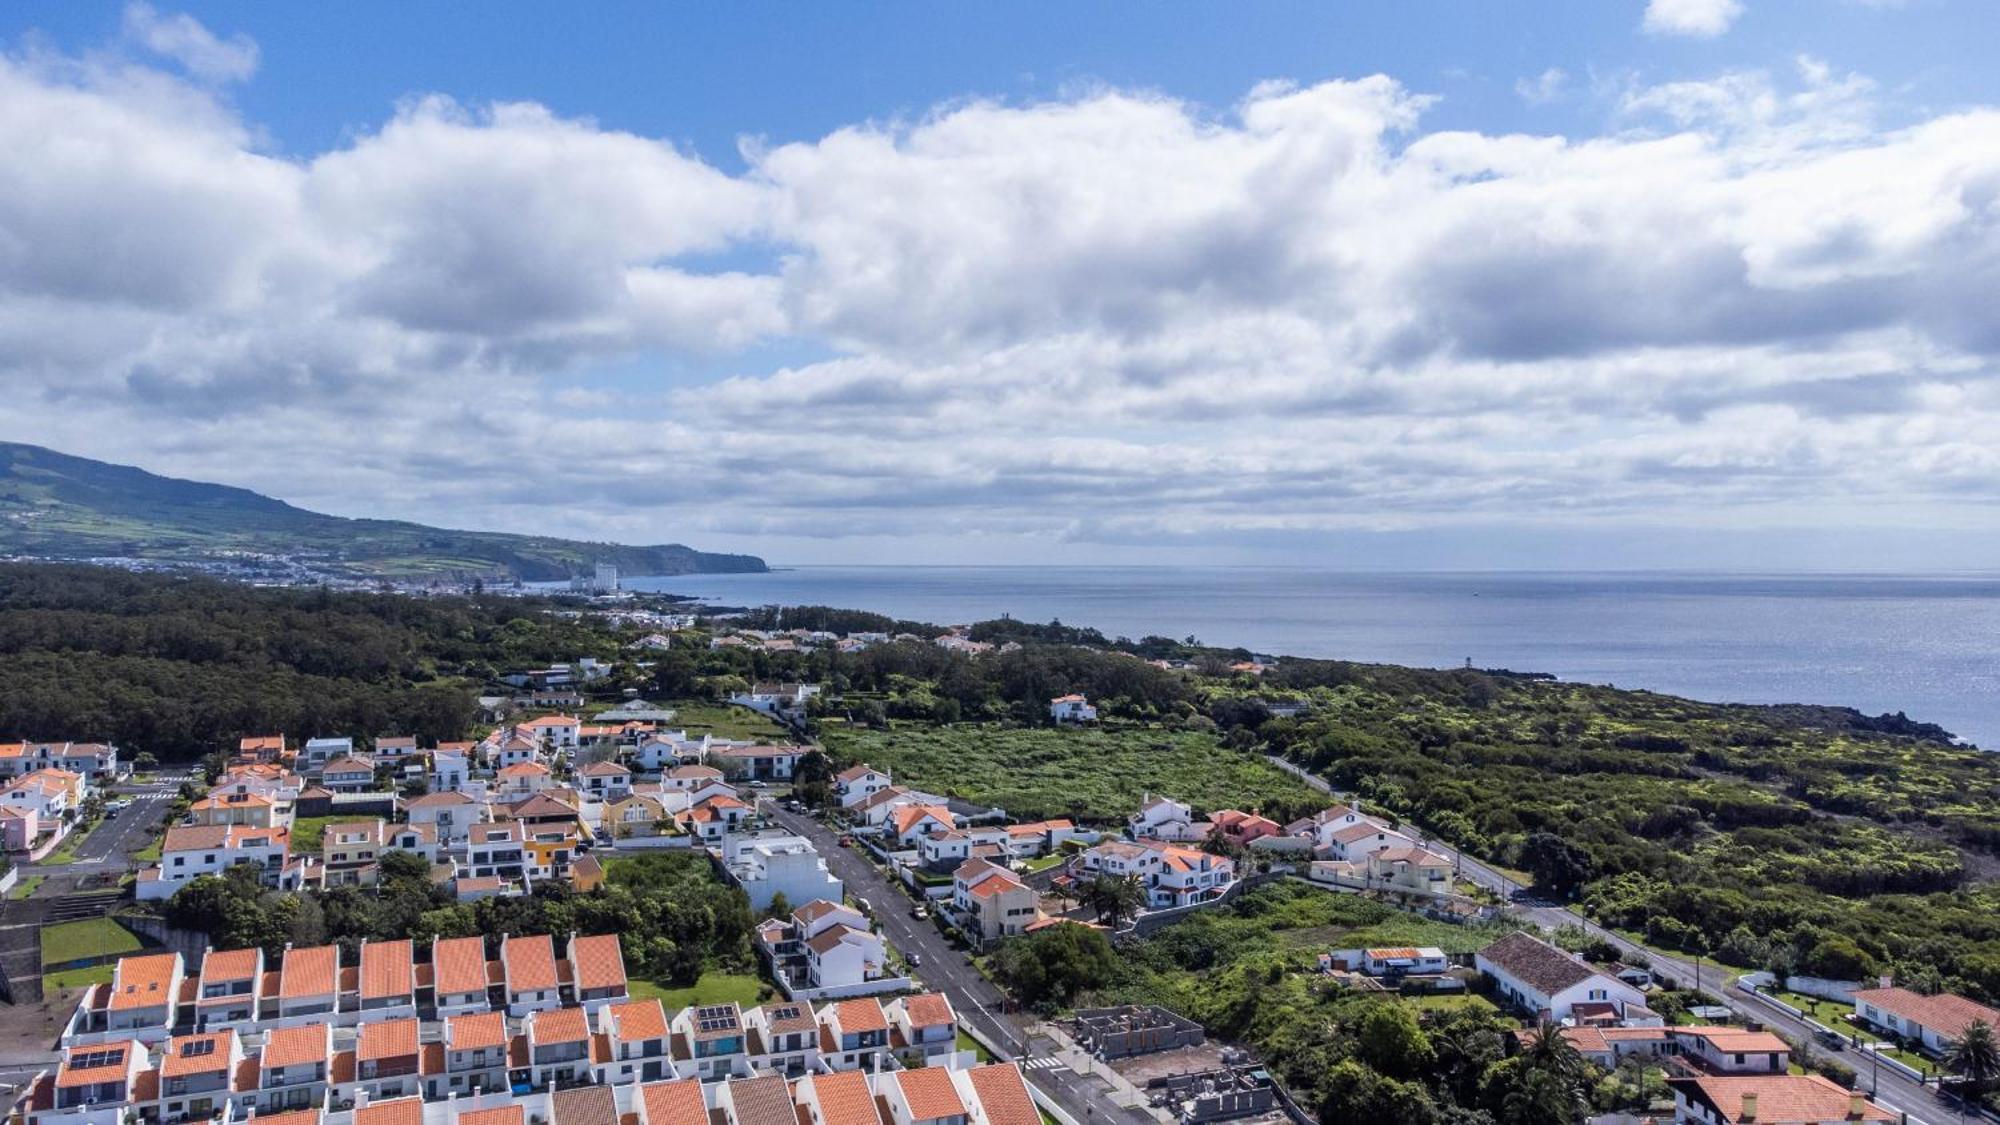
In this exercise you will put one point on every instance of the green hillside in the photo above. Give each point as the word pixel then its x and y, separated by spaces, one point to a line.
pixel 53 505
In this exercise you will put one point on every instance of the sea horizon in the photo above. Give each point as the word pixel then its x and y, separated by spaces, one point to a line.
pixel 1881 642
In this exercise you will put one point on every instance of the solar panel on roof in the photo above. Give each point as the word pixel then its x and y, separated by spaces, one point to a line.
pixel 91 1060
pixel 788 1012
pixel 715 1018
pixel 197 1048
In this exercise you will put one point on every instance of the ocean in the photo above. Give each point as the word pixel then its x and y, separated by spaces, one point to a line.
pixel 1924 644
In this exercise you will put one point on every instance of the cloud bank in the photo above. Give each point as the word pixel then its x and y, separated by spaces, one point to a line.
pixel 1113 318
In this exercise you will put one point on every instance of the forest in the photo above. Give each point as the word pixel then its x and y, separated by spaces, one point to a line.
pixel 179 667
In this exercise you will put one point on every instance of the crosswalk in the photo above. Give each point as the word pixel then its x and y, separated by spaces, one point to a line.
pixel 1042 1064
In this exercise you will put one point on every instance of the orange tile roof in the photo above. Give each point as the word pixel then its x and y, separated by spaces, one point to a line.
pixel 1782 1099
pixel 110 1062
pixel 291 1046
pixel 930 1093
pixel 196 1054
pixel 1945 1013
pixel 674 1103
pixel 143 980
pixel 498 1115
pixel 388 968
pixel 928 1009
pixel 477 1031
pixel 1004 1094
pixel 395 1111
pixel 558 1025
pixel 638 1019
pixel 219 965
pixel 909 816
pixel 860 1015
pixel 460 965
pixel 387 1039
pixel 599 964
pixel 312 971
pixel 844 1099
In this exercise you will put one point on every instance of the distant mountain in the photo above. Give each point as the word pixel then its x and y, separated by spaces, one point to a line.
pixel 53 505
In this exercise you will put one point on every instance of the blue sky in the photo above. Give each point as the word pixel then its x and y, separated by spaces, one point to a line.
pixel 1659 282
pixel 707 75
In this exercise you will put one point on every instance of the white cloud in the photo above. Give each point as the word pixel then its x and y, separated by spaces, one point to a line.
pixel 182 38
pixel 1700 19
pixel 1548 86
pixel 1097 319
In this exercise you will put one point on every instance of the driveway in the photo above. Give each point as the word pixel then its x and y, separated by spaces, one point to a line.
pixel 1894 1091
pixel 947 970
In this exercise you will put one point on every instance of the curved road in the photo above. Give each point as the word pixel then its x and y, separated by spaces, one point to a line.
pixel 1894 1091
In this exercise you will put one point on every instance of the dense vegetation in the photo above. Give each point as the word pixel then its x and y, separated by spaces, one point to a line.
pixel 1810 839
pixel 673 916
pixel 180 667
pixel 1245 973
pixel 53 505
pixel 1092 775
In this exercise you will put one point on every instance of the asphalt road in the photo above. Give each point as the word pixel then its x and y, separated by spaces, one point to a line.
pixel 1894 1091
pixel 947 970
pixel 109 846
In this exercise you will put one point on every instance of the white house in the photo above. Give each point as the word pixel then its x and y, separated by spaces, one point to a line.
pixel 193 850
pixel 1161 818
pixel 1357 842
pixel 1937 1021
pixel 858 783
pixel 449 769
pixel 449 813
pixel 558 732
pixel 1072 709
pixel 1392 961
pixel 910 824
pixel 1543 979
pixel 767 866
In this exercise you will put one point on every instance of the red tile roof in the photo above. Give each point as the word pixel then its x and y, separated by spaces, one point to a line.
pixel 860 1015
pixel 557 1025
pixel 291 1046
pixel 395 1111
pixel 498 1115
pixel 674 1103
pixel 386 1039
pixel 1004 1094
pixel 460 964
pixel 475 1032
pixel 844 1099
pixel 638 1019
pixel 110 1063
pixel 143 981
pixel 196 1054
pixel 930 1093
pixel 1945 1013
pixel 928 1009
pixel 312 971
pixel 598 962
pixel 388 968
pixel 1782 1099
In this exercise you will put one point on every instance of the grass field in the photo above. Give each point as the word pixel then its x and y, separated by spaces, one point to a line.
pixel 712 988
pixel 151 852
pixel 1829 1012
pixel 26 886
pixel 1446 1003
pixel 75 978
pixel 308 830
pixel 93 937
pixel 1095 775
pixel 724 721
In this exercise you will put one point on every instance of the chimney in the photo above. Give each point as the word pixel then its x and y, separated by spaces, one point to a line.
pixel 1857 1106
pixel 1749 1112
pixel 1884 981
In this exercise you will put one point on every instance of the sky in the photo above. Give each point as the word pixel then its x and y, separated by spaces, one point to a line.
pixel 1557 284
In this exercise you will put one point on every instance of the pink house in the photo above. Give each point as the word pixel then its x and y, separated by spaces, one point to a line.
pixel 18 825
pixel 1242 827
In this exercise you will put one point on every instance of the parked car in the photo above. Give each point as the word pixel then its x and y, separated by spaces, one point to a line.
pixel 919 911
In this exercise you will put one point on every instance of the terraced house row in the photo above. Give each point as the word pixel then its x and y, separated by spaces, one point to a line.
pixel 242 1036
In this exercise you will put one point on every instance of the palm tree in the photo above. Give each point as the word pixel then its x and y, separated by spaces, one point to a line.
pixel 1975 1059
